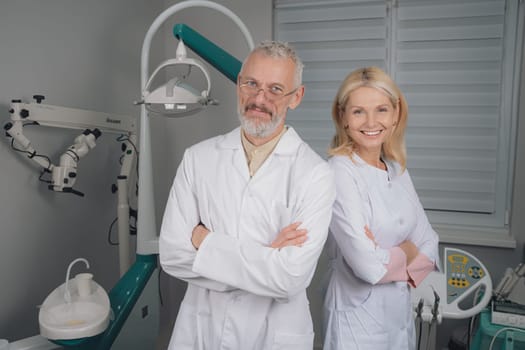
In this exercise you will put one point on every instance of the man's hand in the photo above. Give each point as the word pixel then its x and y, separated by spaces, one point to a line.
pixel 290 236
pixel 198 234
pixel 370 235
pixel 410 250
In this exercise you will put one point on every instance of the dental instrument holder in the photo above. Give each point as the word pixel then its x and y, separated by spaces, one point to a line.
pixel 440 293
pixel 463 275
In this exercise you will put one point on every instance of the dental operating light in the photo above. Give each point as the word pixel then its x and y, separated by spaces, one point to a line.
pixel 177 98
pixel 147 238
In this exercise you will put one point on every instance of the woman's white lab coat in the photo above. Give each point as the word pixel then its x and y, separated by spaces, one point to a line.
pixel 241 293
pixel 359 313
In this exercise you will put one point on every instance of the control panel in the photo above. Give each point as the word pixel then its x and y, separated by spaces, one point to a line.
pixel 463 271
pixel 439 295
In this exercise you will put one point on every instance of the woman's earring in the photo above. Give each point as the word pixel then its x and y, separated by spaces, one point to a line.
pixel 345 127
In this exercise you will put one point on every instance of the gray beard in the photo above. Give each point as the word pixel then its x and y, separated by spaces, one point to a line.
pixel 260 130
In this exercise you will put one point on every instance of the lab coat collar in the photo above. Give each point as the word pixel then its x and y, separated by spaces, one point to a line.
pixel 287 145
pixel 393 169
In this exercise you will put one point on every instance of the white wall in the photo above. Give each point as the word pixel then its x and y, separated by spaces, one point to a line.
pixel 79 54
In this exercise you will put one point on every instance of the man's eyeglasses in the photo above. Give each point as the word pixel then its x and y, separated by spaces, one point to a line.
pixel 273 92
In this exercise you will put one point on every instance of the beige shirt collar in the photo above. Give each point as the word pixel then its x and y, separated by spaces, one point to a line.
pixel 256 155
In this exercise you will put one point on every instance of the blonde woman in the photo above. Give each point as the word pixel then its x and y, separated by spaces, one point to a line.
pixel 381 243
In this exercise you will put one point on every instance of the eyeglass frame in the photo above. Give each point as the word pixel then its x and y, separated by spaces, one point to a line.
pixel 267 92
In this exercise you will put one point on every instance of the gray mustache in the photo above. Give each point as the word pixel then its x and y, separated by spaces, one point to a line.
pixel 261 108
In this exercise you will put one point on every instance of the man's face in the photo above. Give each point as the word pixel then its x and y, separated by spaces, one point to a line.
pixel 265 91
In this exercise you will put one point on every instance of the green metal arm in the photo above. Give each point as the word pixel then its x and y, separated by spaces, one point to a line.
pixel 225 63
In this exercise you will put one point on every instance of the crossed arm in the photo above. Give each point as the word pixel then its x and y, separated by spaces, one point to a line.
pixel 291 235
pixel 224 262
pixel 408 247
pixel 406 263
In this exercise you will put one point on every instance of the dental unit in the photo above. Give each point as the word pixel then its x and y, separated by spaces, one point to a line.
pixel 79 313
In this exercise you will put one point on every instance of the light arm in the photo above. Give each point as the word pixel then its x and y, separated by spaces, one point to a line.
pixel 225 63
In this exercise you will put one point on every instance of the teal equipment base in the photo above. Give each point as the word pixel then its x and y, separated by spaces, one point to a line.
pixel 505 340
pixel 122 298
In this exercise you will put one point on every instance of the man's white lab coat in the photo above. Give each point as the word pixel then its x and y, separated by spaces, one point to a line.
pixel 241 293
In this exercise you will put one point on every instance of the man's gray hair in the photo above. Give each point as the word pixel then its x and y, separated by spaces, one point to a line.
pixel 280 49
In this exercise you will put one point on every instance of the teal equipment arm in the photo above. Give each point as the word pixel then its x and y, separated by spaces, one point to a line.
pixel 221 60
pixel 123 298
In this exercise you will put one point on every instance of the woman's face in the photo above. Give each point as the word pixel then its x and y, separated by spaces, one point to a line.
pixel 370 117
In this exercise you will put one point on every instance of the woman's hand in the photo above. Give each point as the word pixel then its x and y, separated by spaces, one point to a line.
pixel 410 250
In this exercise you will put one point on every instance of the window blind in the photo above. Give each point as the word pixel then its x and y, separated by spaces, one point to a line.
pixel 448 61
pixel 332 38
pixel 453 59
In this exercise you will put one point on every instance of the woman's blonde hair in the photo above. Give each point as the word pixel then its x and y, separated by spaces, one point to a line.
pixel 374 77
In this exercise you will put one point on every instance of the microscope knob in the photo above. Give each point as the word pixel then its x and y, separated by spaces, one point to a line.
pixel 39 98
pixel 24 113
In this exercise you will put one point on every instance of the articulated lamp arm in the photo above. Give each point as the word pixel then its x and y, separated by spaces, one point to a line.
pixel 64 174
pixel 92 124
